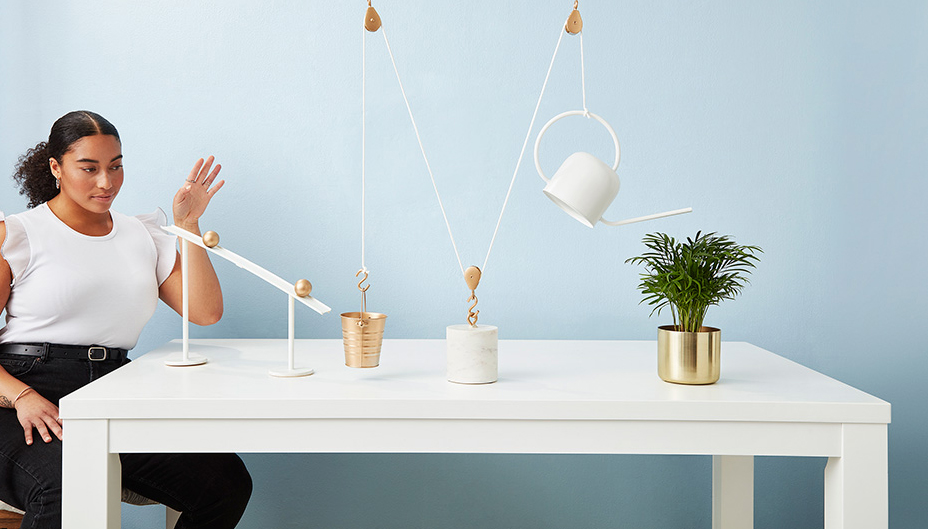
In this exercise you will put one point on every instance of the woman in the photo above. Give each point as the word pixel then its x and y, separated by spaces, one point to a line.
pixel 79 281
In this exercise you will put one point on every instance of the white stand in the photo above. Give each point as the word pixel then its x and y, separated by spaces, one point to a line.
pixel 472 354
pixel 291 372
pixel 187 358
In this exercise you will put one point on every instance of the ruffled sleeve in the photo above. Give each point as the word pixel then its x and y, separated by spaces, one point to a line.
pixel 15 248
pixel 165 243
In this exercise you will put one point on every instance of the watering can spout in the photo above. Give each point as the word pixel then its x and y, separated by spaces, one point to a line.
pixel 646 217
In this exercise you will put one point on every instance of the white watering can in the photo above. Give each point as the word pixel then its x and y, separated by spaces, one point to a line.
pixel 584 186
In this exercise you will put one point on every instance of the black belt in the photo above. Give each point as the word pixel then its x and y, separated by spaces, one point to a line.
pixel 94 353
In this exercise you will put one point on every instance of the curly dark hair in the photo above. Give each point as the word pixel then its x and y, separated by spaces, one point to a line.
pixel 33 174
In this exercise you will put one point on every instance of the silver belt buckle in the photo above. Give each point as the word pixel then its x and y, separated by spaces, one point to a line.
pixel 92 358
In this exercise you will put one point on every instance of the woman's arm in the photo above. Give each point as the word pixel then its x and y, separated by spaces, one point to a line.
pixel 32 409
pixel 190 202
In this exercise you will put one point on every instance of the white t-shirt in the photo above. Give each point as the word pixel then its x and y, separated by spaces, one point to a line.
pixel 71 288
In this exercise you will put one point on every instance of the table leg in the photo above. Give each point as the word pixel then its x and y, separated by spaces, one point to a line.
pixel 91 479
pixel 732 492
pixel 857 483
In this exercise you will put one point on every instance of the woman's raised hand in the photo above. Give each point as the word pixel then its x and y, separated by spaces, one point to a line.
pixel 192 198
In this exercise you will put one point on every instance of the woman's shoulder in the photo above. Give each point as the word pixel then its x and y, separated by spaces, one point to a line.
pixel 150 222
pixel 14 241
pixel 163 242
pixel 39 211
pixel 155 219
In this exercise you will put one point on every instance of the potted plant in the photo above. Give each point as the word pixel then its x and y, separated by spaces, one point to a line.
pixel 689 277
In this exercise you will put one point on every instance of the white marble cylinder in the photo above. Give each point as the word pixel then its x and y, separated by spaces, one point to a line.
pixel 472 354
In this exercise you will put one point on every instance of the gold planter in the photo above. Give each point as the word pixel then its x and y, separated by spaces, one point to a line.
pixel 688 357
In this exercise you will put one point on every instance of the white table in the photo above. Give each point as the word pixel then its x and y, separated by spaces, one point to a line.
pixel 553 397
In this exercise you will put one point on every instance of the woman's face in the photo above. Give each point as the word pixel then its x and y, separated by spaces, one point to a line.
pixel 90 173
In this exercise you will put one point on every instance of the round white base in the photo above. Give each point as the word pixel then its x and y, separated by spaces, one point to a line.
pixel 291 372
pixel 472 354
pixel 193 359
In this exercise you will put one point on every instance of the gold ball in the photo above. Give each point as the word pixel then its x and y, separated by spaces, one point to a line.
pixel 211 239
pixel 302 288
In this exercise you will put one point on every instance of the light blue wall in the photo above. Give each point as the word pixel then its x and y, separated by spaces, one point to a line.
pixel 798 126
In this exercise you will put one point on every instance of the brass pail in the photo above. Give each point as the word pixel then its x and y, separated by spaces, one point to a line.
pixel 689 357
pixel 362 333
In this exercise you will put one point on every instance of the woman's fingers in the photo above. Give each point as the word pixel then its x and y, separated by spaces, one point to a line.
pixel 212 176
pixel 194 173
pixel 215 188
pixel 204 170
pixel 54 424
pixel 37 414
pixel 46 426
pixel 28 429
pixel 43 432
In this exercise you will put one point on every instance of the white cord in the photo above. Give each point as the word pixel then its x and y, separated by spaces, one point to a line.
pixel 583 78
pixel 428 166
pixel 528 135
pixel 421 148
pixel 363 135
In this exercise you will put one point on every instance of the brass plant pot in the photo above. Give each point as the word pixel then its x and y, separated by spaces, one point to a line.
pixel 689 357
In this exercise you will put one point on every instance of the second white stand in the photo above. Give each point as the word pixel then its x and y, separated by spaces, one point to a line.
pixel 291 371
pixel 472 354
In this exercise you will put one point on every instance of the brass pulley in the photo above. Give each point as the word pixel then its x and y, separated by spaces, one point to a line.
pixel 371 18
pixel 574 22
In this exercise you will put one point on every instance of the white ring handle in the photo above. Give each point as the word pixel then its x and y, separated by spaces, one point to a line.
pixel 587 113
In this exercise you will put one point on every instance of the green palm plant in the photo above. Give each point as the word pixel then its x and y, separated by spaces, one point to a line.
pixel 692 276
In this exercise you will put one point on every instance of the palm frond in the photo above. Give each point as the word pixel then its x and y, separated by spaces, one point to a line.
pixel 691 276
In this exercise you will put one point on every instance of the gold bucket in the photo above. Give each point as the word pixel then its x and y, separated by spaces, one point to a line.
pixel 362 333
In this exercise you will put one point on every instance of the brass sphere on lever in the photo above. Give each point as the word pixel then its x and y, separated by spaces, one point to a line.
pixel 211 239
pixel 302 288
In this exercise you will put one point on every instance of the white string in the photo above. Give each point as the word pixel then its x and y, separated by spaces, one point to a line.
pixel 428 166
pixel 583 78
pixel 522 153
pixel 421 148
pixel 363 135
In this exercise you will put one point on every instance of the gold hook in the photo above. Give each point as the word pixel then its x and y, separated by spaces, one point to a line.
pixel 574 22
pixel 472 278
pixel 576 3
pixel 362 271
pixel 471 313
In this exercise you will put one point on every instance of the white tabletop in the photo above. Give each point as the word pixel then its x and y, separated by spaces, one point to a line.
pixel 550 379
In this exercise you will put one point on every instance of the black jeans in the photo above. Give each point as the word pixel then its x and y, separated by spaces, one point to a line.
pixel 210 490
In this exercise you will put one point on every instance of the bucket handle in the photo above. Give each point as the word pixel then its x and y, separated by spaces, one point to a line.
pixel 586 113
pixel 361 321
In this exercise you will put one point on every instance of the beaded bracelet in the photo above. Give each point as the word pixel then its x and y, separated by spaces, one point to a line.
pixel 27 388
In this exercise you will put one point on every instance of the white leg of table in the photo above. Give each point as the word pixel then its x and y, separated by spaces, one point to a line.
pixel 857 483
pixel 732 492
pixel 91 479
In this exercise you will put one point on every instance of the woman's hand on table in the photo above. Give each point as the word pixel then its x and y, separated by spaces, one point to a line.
pixel 35 412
